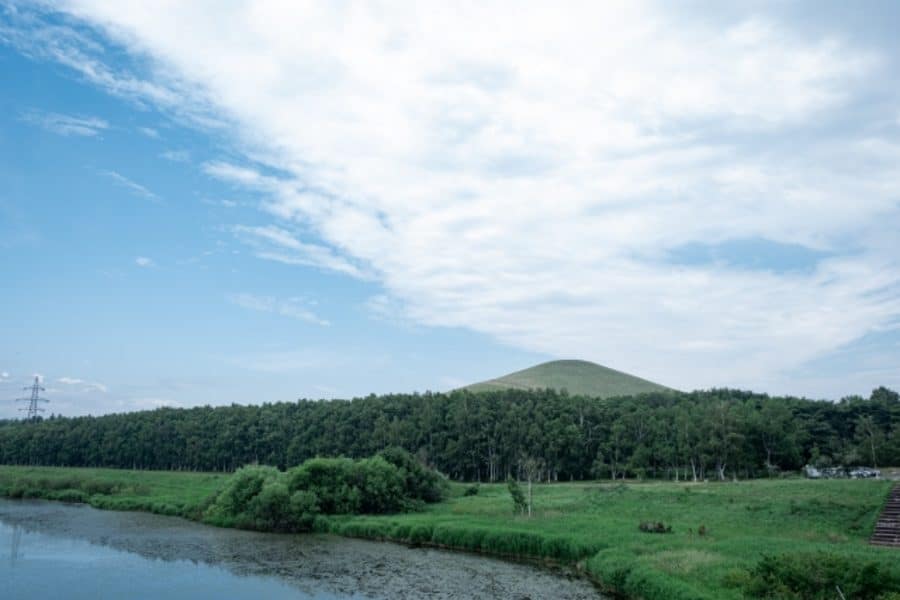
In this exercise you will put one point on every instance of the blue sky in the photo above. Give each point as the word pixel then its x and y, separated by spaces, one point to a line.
pixel 260 202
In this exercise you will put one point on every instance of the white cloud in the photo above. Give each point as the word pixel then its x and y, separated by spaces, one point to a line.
pixel 131 186
pixel 274 243
pixel 524 173
pixel 149 132
pixel 86 386
pixel 177 155
pixel 143 261
pixel 66 124
pixel 4 375
pixel 221 202
pixel 295 308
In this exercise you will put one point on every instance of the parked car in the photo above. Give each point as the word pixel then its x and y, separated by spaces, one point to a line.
pixel 841 472
pixel 864 473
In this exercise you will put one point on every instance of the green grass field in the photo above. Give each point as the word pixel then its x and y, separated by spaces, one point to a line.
pixel 575 376
pixel 591 525
pixel 164 492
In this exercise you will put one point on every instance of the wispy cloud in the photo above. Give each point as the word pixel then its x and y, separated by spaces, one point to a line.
pixel 143 261
pixel 66 124
pixel 224 202
pixel 86 386
pixel 177 155
pixel 532 177
pixel 274 243
pixel 150 132
pixel 133 187
pixel 295 308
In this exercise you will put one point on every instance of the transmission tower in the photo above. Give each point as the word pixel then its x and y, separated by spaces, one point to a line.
pixel 33 408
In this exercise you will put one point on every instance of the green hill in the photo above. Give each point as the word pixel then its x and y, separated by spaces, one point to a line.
pixel 578 377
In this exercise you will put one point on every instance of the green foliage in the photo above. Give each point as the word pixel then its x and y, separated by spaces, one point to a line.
pixel 331 481
pixel 266 499
pixel 381 487
pixel 471 490
pixel 817 576
pixel 520 505
pixel 420 482
pixel 231 506
pixel 715 434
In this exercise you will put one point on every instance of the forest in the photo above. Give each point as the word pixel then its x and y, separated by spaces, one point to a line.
pixel 488 436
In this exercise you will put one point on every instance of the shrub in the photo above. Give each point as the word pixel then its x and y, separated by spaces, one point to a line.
pixel 381 486
pixel 304 508
pixel 420 482
pixel 518 497
pixel 658 527
pixel 267 499
pixel 331 480
pixel 270 509
pixel 472 490
pixel 814 576
pixel 232 503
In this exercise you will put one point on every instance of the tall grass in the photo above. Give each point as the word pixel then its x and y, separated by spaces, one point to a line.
pixel 160 492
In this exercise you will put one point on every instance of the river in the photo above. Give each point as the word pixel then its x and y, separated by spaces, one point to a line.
pixel 55 550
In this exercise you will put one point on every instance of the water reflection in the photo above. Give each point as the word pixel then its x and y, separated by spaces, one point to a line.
pixel 121 554
pixel 14 546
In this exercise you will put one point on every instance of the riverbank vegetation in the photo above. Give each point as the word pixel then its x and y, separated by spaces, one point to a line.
pixel 727 540
pixel 266 499
pixel 719 434
pixel 652 527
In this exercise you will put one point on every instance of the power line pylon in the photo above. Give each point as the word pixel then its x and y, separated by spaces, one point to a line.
pixel 33 408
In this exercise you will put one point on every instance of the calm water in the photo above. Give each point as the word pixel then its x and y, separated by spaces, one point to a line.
pixel 52 550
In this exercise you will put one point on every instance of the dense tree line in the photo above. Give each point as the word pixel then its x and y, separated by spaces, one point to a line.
pixel 489 436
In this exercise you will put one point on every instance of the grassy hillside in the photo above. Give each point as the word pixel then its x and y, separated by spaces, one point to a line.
pixel 720 531
pixel 575 376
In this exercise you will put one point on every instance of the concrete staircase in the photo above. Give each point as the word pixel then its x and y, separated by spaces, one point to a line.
pixel 887 529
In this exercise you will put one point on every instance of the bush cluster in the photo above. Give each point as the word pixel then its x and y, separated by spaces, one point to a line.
pixel 266 499
pixel 814 576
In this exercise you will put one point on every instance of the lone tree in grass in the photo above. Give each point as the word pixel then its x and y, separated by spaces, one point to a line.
pixel 533 468
pixel 518 497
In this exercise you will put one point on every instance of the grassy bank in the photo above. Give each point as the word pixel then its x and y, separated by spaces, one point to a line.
pixel 171 493
pixel 719 531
